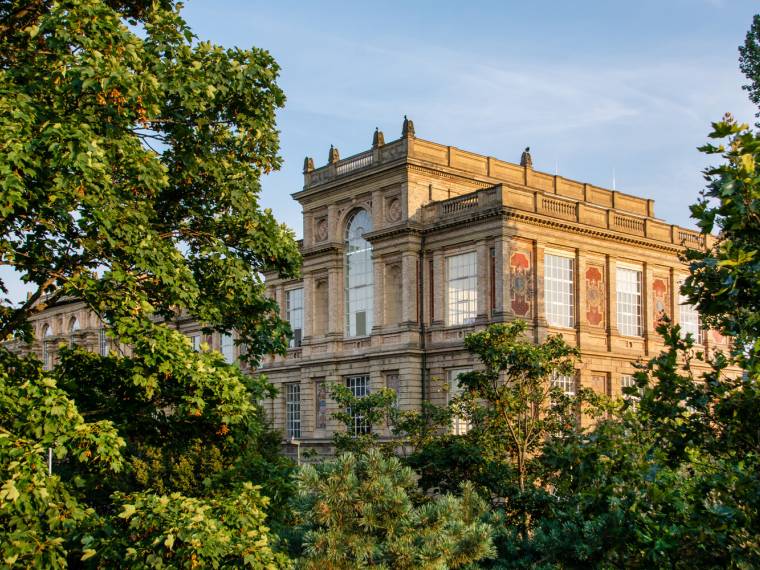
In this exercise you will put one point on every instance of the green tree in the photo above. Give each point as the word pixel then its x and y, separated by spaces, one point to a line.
pixel 356 512
pixel 129 174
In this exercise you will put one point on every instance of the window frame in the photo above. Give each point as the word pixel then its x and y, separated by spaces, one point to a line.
pixel 459 426
pixel 359 384
pixel 692 319
pixel 359 297
pixel 293 410
pixel 467 295
pixel 625 320
pixel 295 313
pixel 552 294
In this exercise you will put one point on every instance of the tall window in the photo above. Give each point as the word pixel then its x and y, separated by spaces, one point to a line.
pixel 689 319
pixel 459 425
pixel 73 328
pixel 294 310
pixel 102 342
pixel 293 410
pixel 629 302
pixel 564 382
pixel 462 288
pixel 359 275
pixel 558 290
pixel 320 408
pixel 47 360
pixel 228 348
pixel 196 340
pixel 359 386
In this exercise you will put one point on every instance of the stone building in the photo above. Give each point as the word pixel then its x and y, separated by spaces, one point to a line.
pixel 411 245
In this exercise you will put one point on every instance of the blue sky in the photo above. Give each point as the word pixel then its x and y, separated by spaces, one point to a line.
pixel 592 86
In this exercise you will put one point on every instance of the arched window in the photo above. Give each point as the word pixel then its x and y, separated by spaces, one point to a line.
pixel 74 325
pixel 359 275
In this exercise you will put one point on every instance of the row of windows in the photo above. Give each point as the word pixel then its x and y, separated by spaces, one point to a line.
pixel 462 296
pixel 360 387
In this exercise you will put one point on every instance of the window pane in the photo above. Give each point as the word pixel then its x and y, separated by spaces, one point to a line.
pixel 293 410
pixel 103 342
pixel 359 276
pixel 558 291
pixel 628 381
pixel 228 348
pixel 689 319
pixel 294 315
pixel 564 382
pixel 462 288
pixel 629 302
pixel 359 386
pixel 459 425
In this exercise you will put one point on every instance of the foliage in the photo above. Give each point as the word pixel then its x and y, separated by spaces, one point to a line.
pixel 723 281
pixel 130 168
pixel 40 514
pixel 174 531
pixel 749 61
pixel 361 416
pixel 357 512
pixel 129 175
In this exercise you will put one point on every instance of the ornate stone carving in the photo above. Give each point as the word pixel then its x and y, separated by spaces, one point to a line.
pixel 660 301
pixel 407 131
pixel 334 155
pixel 394 210
pixel 525 159
pixel 521 289
pixel 308 165
pixel 378 139
pixel 595 302
pixel 320 230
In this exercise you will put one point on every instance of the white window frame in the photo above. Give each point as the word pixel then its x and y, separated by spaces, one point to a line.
pixel 294 307
pixel 461 288
pixel 688 317
pixel 459 426
pixel 359 384
pixel 629 381
pixel 559 289
pixel 359 277
pixel 629 285
pixel 227 347
pixel 293 410
pixel 565 382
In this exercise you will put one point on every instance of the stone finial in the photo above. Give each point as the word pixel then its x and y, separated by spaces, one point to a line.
pixel 378 139
pixel 407 131
pixel 334 155
pixel 308 164
pixel 525 158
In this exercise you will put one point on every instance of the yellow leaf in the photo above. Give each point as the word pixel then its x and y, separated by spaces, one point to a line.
pixel 88 553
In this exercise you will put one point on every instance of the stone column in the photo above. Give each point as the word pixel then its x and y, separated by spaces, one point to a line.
pixel 439 287
pixel 481 252
pixel 611 300
pixel 378 300
pixel 500 275
pixel 335 305
pixel 409 287
pixel 309 308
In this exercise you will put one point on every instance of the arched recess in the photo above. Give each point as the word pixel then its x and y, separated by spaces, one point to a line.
pixel 359 277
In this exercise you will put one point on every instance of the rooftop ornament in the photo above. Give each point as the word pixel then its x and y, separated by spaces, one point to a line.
pixel 525 158
pixel 378 139
pixel 407 130
pixel 334 155
pixel 308 165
